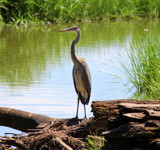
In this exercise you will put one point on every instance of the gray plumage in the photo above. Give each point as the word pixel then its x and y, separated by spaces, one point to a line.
pixel 81 73
pixel 82 82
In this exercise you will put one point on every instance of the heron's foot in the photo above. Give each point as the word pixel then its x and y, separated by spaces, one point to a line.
pixel 85 117
pixel 73 121
pixel 76 118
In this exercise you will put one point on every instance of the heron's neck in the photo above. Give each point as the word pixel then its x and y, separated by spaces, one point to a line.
pixel 73 55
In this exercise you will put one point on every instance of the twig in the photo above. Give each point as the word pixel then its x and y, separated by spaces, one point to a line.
pixel 64 145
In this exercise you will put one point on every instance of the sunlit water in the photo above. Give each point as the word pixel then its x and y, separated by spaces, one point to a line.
pixel 36 66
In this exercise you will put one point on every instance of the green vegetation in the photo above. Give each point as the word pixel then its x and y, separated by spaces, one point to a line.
pixel 95 142
pixel 143 68
pixel 64 11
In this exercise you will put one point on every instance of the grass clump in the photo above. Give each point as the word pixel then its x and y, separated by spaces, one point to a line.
pixel 95 142
pixel 143 68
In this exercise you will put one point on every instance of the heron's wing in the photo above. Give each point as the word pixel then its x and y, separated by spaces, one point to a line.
pixel 86 78
pixel 74 80
pixel 82 82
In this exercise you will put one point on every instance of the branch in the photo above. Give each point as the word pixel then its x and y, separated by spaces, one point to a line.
pixel 64 145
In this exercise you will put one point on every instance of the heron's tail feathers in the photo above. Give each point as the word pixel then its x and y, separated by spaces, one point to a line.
pixel 84 99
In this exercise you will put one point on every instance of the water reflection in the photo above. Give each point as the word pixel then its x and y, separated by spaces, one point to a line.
pixel 36 68
pixel 26 52
pixel 24 57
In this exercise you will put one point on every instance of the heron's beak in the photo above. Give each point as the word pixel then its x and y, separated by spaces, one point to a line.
pixel 65 30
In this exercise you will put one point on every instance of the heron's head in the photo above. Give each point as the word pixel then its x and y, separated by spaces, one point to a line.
pixel 74 28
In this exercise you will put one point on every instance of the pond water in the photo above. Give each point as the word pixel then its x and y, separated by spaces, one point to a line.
pixel 36 66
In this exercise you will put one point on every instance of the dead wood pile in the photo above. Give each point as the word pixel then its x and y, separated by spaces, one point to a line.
pixel 126 125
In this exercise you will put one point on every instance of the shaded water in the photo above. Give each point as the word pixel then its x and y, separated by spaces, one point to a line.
pixel 36 67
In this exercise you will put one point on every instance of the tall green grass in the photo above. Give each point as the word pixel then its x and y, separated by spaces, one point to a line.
pixel 143 68
pixel 64 11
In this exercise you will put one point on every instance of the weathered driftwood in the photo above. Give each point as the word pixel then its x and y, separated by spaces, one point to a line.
pixel 126 125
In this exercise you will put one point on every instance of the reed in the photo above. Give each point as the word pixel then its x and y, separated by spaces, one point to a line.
pixel 65 11
pixel 143 68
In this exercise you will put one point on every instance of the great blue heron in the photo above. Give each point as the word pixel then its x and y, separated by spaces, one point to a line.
pixel 81 73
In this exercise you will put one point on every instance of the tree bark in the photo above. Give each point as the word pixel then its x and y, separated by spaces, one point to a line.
pixel 24 121
pixel 130 124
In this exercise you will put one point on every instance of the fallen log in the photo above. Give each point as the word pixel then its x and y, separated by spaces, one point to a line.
pixel 23 121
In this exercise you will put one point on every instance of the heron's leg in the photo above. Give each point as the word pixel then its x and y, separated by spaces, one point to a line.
pixel 85 111
pixel 77 107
